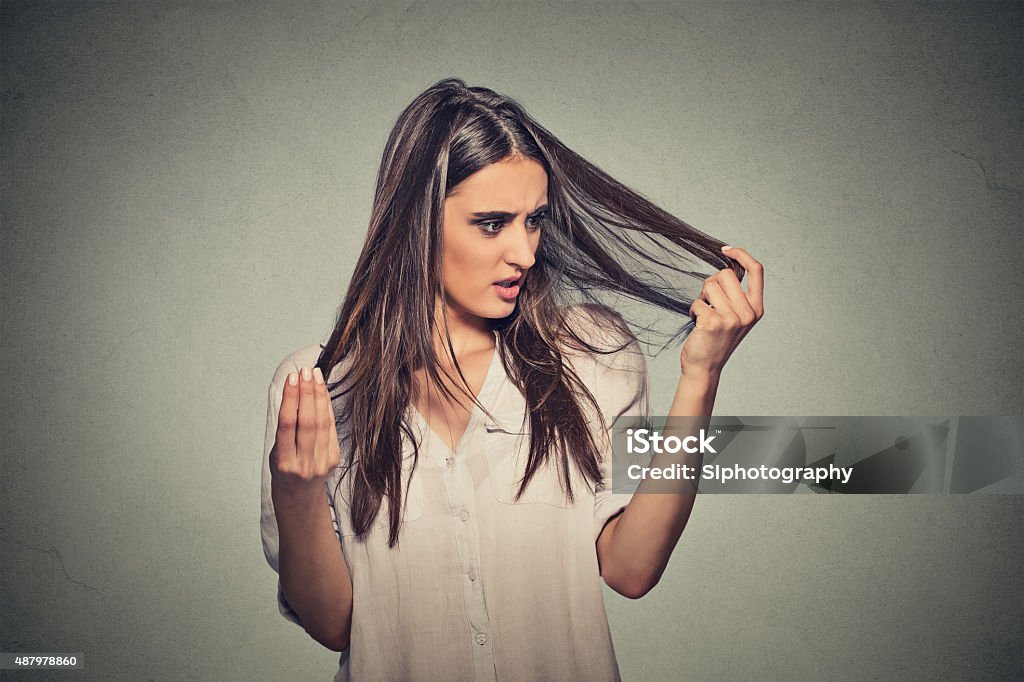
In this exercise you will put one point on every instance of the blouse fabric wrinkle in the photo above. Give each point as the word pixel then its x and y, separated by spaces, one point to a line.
pixel 480 587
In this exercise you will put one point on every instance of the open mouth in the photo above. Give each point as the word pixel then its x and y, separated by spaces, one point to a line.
pixel 508 289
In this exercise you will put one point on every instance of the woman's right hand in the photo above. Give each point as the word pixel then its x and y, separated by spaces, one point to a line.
pixel 306 448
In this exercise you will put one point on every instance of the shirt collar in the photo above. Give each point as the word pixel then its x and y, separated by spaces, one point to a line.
pixel 504 401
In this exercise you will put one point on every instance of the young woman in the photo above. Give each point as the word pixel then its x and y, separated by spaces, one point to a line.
pixel 440 509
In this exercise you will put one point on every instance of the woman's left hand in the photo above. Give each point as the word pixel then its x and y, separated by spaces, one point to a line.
pixel 724 314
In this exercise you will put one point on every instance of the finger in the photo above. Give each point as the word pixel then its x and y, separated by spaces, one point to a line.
pixel 730 284
pixel 305 434
pixel 287 414
pixel 755 284
pixel 699 308
pixel 719 301
pixel 323 419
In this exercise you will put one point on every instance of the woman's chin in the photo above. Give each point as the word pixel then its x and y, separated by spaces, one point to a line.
pixel 497 311
pixel 504 312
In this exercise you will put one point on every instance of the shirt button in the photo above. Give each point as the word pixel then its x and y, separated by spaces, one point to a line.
pixel 481 638
pixel 464 515
pixel 472 574
pixel 450 461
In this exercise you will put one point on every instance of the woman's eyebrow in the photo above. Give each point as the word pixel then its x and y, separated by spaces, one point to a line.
pixel 504 215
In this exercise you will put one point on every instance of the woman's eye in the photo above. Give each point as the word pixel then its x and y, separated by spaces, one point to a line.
pixel 535 221
pixel 493 227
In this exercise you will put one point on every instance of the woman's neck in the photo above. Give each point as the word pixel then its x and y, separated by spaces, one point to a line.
pixel 469 333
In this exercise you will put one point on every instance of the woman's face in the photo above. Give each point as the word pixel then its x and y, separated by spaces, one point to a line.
pixel 491 232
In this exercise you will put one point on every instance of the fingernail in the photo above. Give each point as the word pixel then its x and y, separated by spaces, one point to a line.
pixel 726 247
pixel 293 378
pixel 307 374
pixel 318 376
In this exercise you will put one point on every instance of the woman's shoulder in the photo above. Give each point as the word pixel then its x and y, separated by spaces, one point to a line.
pixel 598 335
pixel 306 356
pixel 614 370
pixel 595 331
pixel 597 325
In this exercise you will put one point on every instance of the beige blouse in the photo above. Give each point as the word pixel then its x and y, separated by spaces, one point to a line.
pixel 480 587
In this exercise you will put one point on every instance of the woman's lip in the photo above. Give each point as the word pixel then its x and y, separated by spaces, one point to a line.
pixel 507 293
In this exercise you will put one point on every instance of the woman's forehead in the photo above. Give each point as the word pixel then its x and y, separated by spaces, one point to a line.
pixel 507 185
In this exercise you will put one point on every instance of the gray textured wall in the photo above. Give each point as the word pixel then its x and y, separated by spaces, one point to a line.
pixel 185 190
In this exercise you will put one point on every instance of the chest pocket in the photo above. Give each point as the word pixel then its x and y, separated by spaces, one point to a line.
pixel 412 487
pixel 507 450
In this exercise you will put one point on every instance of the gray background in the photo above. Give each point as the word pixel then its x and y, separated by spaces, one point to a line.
pixel 186 187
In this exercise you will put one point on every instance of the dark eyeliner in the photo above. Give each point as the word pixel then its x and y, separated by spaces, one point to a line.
pixel 480 224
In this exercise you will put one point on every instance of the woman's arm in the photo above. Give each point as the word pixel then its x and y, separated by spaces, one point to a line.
pixel 315 577
pixel 634 547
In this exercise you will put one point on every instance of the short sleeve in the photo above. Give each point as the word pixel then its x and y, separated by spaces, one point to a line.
pixel 620 388
pixel 618 382
pixel 304 357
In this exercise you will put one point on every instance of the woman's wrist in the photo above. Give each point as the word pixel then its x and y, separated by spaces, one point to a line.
pixel 698 376
pixel 300 497
pixel 695 393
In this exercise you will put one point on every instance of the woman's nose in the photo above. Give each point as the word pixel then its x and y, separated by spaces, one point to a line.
pixel 521 249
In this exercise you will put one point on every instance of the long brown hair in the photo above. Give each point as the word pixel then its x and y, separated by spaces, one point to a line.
pixel 599 238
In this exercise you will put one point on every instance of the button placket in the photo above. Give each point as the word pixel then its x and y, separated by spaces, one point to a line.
pixel 460 490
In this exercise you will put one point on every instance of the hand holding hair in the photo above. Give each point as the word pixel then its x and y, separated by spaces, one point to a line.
pixel 724 314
